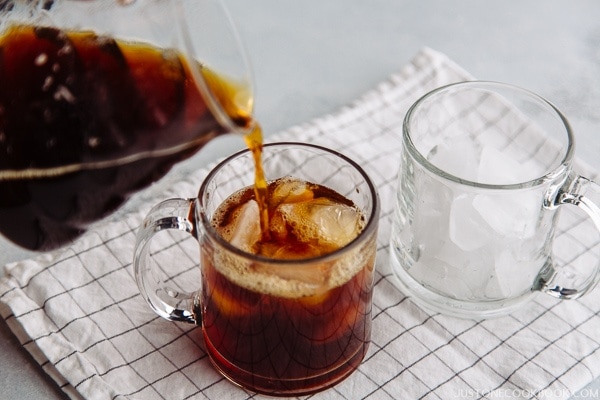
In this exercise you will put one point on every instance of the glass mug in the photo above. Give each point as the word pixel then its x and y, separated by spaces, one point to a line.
pixel 100 98
pixel 284 327
pixel 484 170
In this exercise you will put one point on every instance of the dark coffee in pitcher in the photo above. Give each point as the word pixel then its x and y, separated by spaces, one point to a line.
pixel 85 120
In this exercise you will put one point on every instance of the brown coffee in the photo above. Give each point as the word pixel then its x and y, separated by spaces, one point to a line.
pixel 287 329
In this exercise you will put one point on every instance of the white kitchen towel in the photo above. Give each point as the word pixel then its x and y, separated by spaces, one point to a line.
pixel 79 313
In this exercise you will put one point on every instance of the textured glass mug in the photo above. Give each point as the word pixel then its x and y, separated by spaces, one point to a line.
pixel 260 336
pixel 484 170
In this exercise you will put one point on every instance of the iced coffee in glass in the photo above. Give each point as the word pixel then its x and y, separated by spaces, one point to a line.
pixel 286 288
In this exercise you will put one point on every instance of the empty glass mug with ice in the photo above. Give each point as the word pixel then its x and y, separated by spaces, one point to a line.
pixel 484 170
pixel 284 310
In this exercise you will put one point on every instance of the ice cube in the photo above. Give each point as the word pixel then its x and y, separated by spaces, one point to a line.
pixel 290 191
pixel 452 272
pixel 431 207
pixel 499 168
pixel 494 289
pixel 511 214
pixel 277 225
pixel 458 157
pixel 246 227
pixel 477 270
pixel 323 220
pixel 467 229
pixel 514 276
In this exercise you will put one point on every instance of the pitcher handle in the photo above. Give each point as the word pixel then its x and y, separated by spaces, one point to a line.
pixel 584 193
pixel 168 303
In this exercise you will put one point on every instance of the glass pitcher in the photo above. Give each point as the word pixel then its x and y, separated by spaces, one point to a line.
pixel 100 98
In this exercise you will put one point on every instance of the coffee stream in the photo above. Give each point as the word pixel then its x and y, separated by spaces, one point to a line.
pixel 254 141
pixel 238 113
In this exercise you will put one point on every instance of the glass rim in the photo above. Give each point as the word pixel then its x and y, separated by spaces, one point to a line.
pixel 490 86
pixel 368 230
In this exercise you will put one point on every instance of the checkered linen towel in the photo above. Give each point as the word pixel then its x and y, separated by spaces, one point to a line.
pixel 79 313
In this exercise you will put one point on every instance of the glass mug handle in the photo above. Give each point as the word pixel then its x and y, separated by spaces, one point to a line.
pixel 585 194
pixel 171 304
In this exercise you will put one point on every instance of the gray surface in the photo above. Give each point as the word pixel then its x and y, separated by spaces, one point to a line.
pixel 311 57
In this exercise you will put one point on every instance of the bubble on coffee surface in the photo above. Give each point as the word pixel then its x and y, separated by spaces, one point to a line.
pixel 307 221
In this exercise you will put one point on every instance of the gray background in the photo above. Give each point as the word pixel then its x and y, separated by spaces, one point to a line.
pixel 310 57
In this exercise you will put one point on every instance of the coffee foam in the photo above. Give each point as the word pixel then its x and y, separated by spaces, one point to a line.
pixel 294 280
